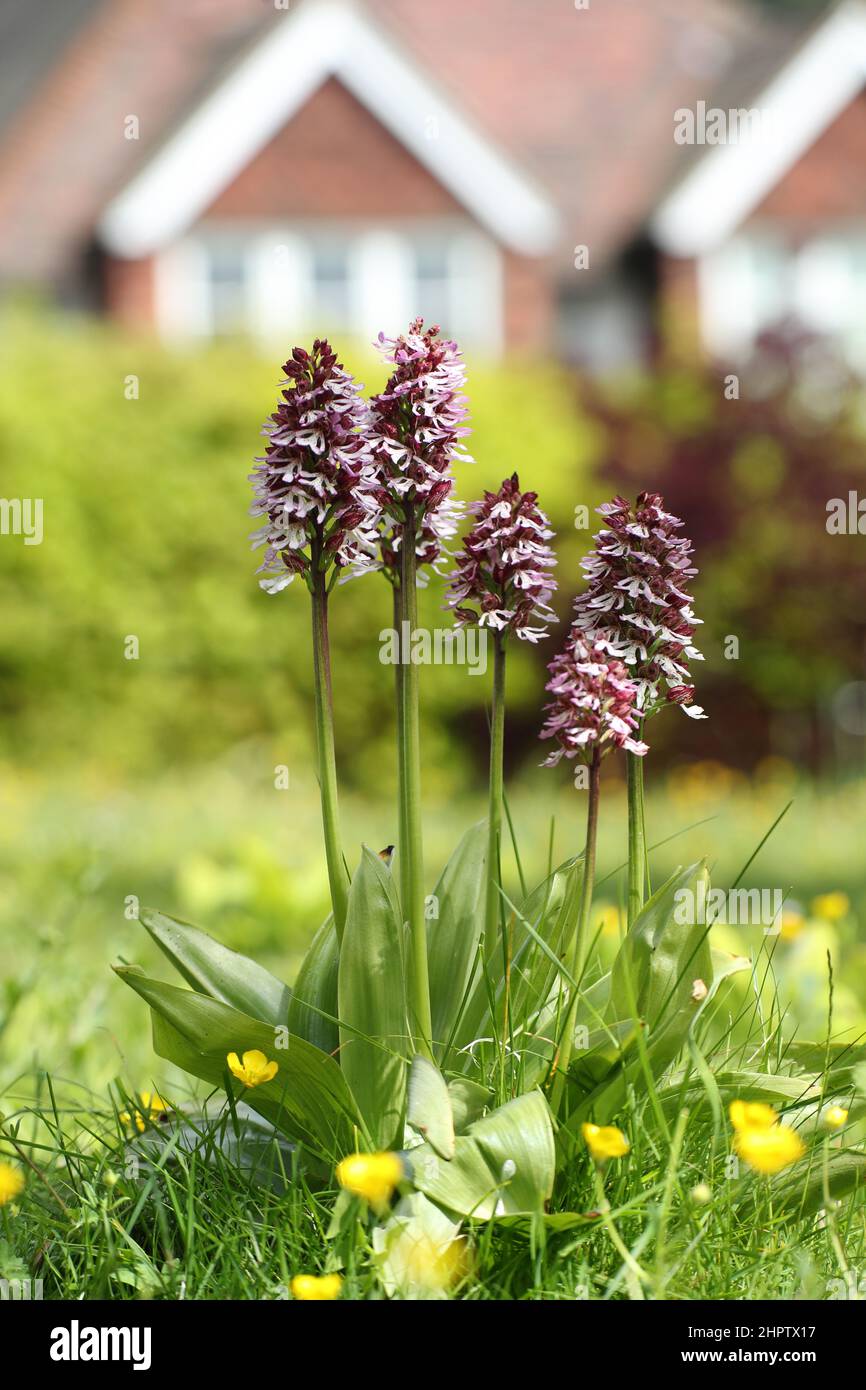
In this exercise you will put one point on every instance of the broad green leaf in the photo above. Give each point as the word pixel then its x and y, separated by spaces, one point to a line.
pixel 313 1010
pixel 556 1221
pixel 307 1099
pixel 318 1156
pixel 724 965
pixel 468 1102
pixel 372 1005
pixel 548 911
pixel 815 1057
pixel 454 933
pixel 593 1001
pixel 418 1252
pixel 800 1192
pixel 253 1150
pixel 213 969
pixel 590 1028
pixel 429 1108
pixel 664 954
pixel 599 1083
pixel 552 911
pixel 771 1087
pixel 503 1165
pixel 602 1051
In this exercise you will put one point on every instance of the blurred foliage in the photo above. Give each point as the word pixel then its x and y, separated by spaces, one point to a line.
pixel 245 863
pixel 154 778
pixel 146 527
pixel 146 535
pixel 753 475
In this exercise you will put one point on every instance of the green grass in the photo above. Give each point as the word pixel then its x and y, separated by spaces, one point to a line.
pixel 217 849
pixel 225 850
pixel 96 1225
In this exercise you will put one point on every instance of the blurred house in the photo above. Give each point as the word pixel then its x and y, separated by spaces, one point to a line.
pixel 556 175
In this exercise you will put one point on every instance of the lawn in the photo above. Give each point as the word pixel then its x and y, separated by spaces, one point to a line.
pixel 244 860
pixel 621 1097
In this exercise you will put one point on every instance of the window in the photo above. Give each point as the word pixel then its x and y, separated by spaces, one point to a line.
pixel 757 282
pixel 331 283
pixel 227 274
pixel 275 281
pixel 432 291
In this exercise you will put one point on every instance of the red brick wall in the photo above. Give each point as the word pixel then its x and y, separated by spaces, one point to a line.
pixel 64 154
pixel 529 306
pixel 128 289
pixel 828 183
pixel 334 159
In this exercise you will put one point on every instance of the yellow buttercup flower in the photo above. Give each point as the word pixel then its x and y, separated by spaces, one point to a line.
pixel 11 1183
pixel 151 1107
pixel 315 1288
pixel 610 920
pixel 752 1114
pixel 604 1141
pixel 831 907
pixel 835 1116
pixel 255 1068
pixel 792 925
pixel 371 1176
pixel 770 1149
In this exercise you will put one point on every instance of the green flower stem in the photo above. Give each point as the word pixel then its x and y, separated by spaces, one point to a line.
pixel 639 1276
pixel 402 842
pixel 410 818
pixel 830 1215
pixel 581 933
pixel 35 1169
pixel 497 740
pixel 636 836
pixel 325 748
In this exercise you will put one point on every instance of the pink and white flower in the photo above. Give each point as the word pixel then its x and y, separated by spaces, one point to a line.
pixel 636 607
pixel 415 430
pixel 593 710
pixel 504 566
pixel 315 484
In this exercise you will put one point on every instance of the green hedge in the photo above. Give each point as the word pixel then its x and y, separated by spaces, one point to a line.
pixel 146 534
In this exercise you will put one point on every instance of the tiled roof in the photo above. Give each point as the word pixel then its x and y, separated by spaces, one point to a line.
pixel 32 39
pixel 582 99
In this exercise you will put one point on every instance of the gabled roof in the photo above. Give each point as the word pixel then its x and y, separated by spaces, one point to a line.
pixel 260 95
pixel 32 38
pixel 725 183
pixel 584 98
pixel 571 107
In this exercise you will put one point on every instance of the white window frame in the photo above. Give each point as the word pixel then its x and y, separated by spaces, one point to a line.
pixel 381 289
pixel 822 291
